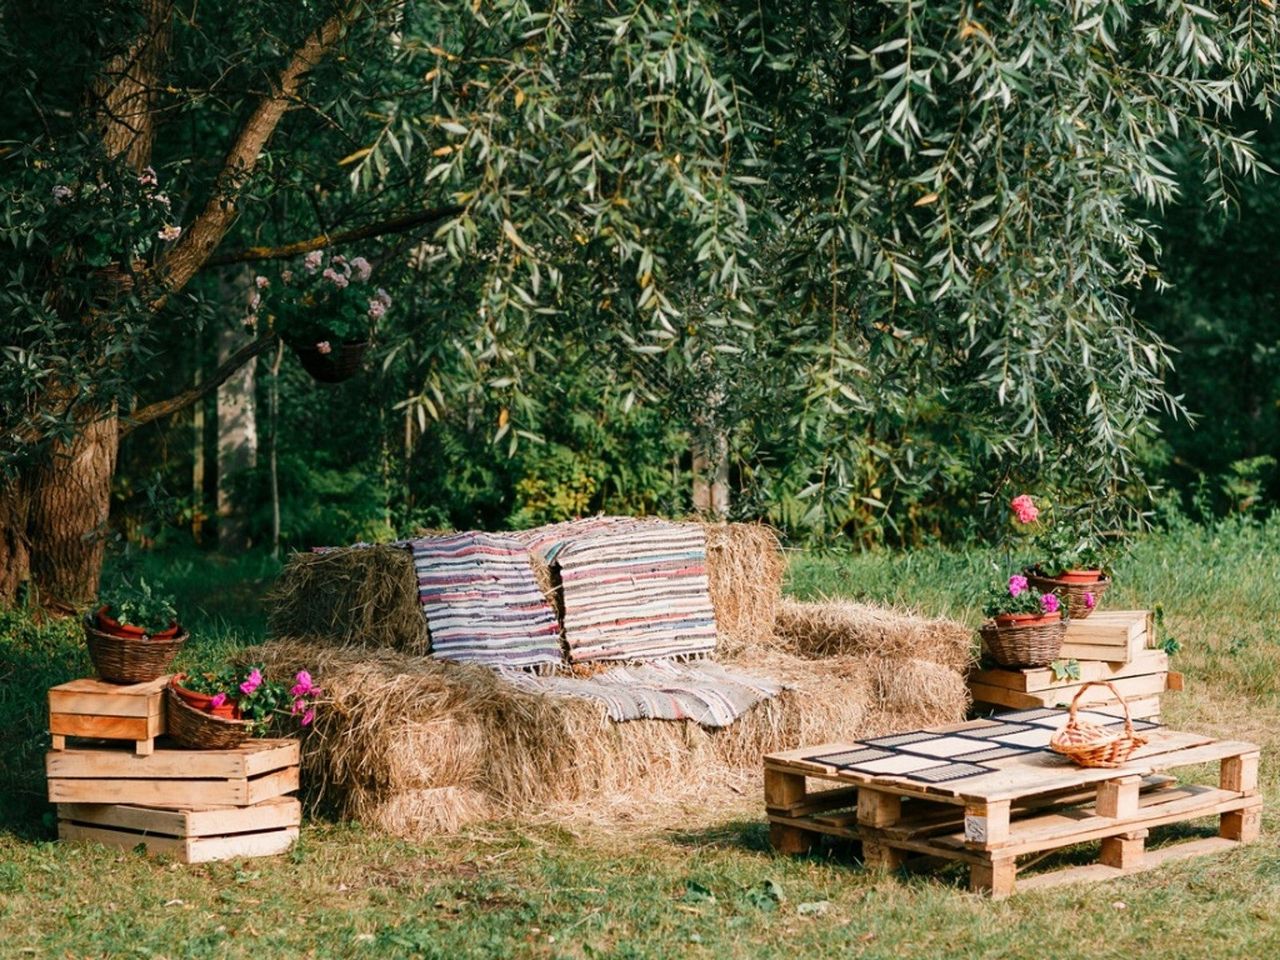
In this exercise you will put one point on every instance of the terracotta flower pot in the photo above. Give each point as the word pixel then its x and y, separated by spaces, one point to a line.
pixel 228 710
pixel 109 624
pixel 1079 576
pixel 1027 619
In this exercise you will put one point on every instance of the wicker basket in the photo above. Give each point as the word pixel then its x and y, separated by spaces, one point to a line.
pixel 1090 745
pixel 342 362
pixel 199 730
pixel 1072 594
pixel 1024 646
pixel 130 659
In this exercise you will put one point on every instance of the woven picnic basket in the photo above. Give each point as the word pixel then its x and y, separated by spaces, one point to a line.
pixel 1072 594
pixel 1091 745
pixel 1024 646
pixel 130 659
pixel 199 730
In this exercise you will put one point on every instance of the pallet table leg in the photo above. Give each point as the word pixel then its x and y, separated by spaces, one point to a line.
pixel 1239 774
pixel 788 839
pixel 994 877
pixel 59 742
pixel 1242 825
pixel 1126 851
pixel 1118 798
pixel 783 790
pixel 877 809
pixel 986 823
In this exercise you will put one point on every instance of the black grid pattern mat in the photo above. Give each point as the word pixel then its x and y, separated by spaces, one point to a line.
pixel 1025 716
pixel 902 739
pixel 996 730
pixel 948 771
pixel 860 755
pixel 995 753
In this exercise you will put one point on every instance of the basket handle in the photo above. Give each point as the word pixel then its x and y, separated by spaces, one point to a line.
pixel 1075 702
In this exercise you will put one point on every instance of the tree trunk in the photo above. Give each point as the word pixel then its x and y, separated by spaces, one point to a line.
pixel 237 445
pixel 15 561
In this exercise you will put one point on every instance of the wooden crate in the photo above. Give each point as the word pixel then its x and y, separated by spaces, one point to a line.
pixel 1112 636
pixel 259 770
pixel 98 710
pixel 188 836
pixel 1030 805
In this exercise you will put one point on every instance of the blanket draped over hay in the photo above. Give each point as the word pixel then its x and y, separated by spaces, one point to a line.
pixel 414 745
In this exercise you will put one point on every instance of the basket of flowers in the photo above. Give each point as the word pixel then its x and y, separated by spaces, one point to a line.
pixel 1025 628
pixel 1091 745
pixel 218 710
pixel 133 634
pixel 1072 562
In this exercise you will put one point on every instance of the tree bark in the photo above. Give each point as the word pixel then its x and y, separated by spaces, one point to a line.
pixel 237 444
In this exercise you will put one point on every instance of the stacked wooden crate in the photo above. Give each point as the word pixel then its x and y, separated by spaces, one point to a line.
pixel 117 784
pixel 1114 645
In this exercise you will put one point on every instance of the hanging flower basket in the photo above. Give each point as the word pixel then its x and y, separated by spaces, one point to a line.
pixel 1081 598
pixel 124 659
pixel 1033 642
pixel 340 362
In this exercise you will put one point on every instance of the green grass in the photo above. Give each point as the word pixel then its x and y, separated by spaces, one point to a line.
pixel 711 889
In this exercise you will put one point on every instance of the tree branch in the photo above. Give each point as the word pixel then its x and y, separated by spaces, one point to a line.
pixel 370 230
pixel 198 241
pixel 164 408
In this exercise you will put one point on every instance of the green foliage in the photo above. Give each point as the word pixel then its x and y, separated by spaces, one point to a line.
pixel 136 603
pixel 1065 670
pixel 321 299
pixel 1013 596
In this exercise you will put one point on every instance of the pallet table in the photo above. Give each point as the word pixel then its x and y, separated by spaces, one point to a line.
pixel 95 709
pixel 196 835
pixel 256 771
pixel 1028 804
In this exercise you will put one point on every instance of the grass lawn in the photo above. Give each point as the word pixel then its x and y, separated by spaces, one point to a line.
pixel 709 889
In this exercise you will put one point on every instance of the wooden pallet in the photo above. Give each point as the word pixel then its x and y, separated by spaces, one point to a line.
pixel 1030 805
pixel 1111 636
pixel 257 771
pixel 98 710
pixel 188 836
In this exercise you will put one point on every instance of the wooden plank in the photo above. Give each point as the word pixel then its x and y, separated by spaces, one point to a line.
pixel 174 793
pixel 1118 798
pixel 1239 773
pixel 105 728
pixel 256 756
pixel 1124 852
pixel 782 791
pixel 168 823
pixel 1116 628
pixel 1243 825
pixel 271 785
pixel 154 845
pixel 986 824
pixel 994 877
pixel 271 814
pixel 820 801
pixel 1151 860
pixel 1039 679
pixel 790 839
pixel 268 815
pixel 271 843
pixel 92 696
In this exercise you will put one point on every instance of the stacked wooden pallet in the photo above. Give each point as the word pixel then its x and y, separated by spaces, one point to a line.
pixel 1113 645
pixel 118 785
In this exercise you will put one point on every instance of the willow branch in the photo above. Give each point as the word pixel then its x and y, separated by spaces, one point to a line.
pixel 382 228
pixel 186 398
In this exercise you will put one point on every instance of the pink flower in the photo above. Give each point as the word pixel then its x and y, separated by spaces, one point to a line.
pixel 1024 508
pixel 304 685
pixel 162 199
pixel 362 267
pixel 339 280
pixel 252 682
pixel 377 309
pixel 170 232
pixel 382 297
pixel 1017 583
pixel 262 282
pixel 148 177
pixel 323 347
pixel 308 717
pixel 1050 603
pixel 218 700
pixel 313 260
pixel 1090 601
pixel 255 299
pixel 298 707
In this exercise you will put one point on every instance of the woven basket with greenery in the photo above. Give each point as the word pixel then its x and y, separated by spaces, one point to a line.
pixel 202 731
pixel 1091 745
pixel 1072 594
pixel 130 659
pixel 1014 645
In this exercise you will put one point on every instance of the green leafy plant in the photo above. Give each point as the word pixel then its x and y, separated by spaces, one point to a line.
pixel 1017 596
pixel 263 701
pixel 139 605
pixel 1064 670
pixel 321 302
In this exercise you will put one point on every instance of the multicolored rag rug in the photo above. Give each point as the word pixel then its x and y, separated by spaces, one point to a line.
pixel 482 603
pixel 701 691
pixel 631 589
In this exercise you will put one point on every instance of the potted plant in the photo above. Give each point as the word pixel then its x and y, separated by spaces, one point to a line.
pixel 222 708
pixel 325 310
pixel 1025 627
pixel 1072 562
pixel 133 633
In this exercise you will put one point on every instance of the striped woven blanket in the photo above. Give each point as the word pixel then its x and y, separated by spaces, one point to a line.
pixel 632 589
pixel 702 691
pixel 482 603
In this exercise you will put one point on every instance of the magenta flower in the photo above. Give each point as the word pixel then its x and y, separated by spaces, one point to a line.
pixel 1090 601
pixel 1024 508
pixel 323 347
pixel 298 707
pixel 218 700
pixel 308 717
pixel 1050 603
pixel 304 685
pixel 1017 583
pixel 252 683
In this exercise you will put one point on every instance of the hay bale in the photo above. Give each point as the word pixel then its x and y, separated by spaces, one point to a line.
pixel 416 814
pixel 837 627
pixel 356 596
pixel 744 573
pixel 919 693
